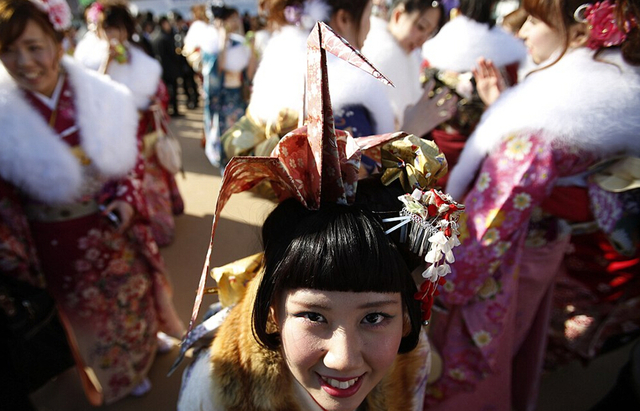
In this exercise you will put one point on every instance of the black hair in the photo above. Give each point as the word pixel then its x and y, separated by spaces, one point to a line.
pixel 222 12
pixel 355 8
pixel 335 248
pixel 478 10
pixel 118 16
pixel 421 6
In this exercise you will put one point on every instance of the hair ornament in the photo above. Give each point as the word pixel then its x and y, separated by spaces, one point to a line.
pixel 604 28
pixel 429 225
pixel 93 15
pixel 58 12
pixel 307 14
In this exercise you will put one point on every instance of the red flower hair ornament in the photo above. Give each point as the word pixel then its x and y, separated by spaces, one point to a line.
pixel 603 25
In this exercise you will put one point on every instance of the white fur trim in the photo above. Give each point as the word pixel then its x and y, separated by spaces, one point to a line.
pixel 201 36
pixel 279 80
pixel 237 57
pixel 141 75
pixel 403 69
pixel 32 156
pixel 348 85
pixel 584 103
pixel 462 41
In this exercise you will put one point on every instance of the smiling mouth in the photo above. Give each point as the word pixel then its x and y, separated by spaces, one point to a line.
pixel 341 385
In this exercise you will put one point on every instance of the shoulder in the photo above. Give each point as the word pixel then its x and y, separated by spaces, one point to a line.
pixel 196 391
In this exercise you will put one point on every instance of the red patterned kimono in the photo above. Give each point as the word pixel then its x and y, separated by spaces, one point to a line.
pixel 111 287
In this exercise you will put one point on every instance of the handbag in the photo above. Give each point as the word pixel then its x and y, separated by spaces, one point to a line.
pixel 37 339
pixel 168 148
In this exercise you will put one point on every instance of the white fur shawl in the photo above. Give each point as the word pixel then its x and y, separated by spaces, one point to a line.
pixel 279 80
pixel 37 161
pixel 462 40
pixel 403 69
pixel 141 74
pixel 584 103
pixel 349 85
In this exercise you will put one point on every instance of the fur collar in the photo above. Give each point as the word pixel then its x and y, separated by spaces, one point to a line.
pixel 403 69
pixel 279 80
pixel 141 74
pixel 349 85
pixel 34 159
pixel 470 40
pixel 248 377
pixel 580 102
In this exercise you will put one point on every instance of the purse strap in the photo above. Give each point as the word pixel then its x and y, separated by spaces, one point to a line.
pixel 90 384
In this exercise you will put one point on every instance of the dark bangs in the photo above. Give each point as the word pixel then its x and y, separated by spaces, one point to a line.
pixel 341 250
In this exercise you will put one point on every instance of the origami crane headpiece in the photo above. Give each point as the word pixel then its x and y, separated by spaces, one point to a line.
pixel 314 163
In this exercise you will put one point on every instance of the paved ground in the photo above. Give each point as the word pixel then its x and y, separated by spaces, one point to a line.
pixel 573 388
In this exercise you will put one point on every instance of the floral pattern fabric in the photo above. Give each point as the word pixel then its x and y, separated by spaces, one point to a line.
pixel 111 287
pixel 481 291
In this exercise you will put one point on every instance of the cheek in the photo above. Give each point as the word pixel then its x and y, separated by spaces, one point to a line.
pixel 301 348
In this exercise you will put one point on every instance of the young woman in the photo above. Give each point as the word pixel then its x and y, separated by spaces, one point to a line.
pixel 324 323
pixel 109 48
pixel 330 321
pixel 452 56
pixel 68 148
pixel 526 168
pixel 392 47
pixel 227 71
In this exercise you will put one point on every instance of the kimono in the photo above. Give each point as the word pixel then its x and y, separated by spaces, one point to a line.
pixel 221 379
pixel 224 103
pixel 470 40
pixel 541 135
pixel 402 68
pixel 111 288
pixel 142 75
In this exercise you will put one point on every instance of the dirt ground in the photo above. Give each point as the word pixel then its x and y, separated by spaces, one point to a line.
pixel 574 387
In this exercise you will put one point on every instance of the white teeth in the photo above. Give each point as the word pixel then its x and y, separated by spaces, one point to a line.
pixel 31 76
pixel 343 385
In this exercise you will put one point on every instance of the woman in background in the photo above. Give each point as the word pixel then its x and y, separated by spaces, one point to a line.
pixel 109 48
pixel 74 216
pixel 539 139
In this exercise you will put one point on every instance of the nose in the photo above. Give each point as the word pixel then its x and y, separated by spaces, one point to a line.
pixel 344 351
pixel 522 33
pixel 22 58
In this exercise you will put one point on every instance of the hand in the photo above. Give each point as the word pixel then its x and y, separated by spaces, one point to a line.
pixel 124 211
pixel 428 113
pixel 489 81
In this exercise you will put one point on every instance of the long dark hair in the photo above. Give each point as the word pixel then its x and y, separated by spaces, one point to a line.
pixel 336 248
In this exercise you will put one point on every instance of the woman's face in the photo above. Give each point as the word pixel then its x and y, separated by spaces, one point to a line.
pixel 411 30
pixel 541 39
pixel 338 345
pixel 355 32
pixel 116 34
pixel 33 60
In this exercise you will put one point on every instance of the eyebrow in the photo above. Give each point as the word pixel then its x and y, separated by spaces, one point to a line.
pixel 325 306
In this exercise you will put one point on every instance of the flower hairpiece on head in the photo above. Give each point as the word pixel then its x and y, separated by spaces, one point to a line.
pixel 58 12
pixel 603 26
pixel 428 222
pixel 429 225
pixel 307 14
pixel 93 15
pixel 314 164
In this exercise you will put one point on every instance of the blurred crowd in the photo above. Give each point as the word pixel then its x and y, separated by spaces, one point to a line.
pixel 533 103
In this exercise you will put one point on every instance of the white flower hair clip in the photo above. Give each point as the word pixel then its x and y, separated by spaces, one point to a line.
pixel 428 223
pixel 58 11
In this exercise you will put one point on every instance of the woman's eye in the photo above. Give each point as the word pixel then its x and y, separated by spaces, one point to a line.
pixel 311 316
pixel 375 318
